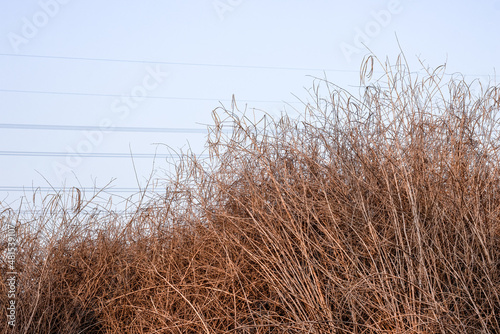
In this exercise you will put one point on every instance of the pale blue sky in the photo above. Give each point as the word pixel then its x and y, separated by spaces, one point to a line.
pixel 128 47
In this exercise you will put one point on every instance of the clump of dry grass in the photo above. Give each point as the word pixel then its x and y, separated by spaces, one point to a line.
pixel 378 214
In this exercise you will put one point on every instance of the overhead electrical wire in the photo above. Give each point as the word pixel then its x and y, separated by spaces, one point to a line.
pixel 18 126
pixel 285 68
pixel 139 61
pixel 138 96
pixel 58 189
pixel 91 155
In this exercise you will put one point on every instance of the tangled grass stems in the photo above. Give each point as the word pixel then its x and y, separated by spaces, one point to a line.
pixel 377 214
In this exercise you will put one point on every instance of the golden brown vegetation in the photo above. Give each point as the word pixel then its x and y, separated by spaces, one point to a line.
pixel 372 215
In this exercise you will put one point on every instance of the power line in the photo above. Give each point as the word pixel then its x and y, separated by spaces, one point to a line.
pixel 90 189
pixel 98 128
pixel 91 155
pixel 101 212
pixel 138 96
pixel 280 68
pixel 178 63
pixel 83 212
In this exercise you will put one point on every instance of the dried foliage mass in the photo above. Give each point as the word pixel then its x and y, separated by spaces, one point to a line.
pixel 375 214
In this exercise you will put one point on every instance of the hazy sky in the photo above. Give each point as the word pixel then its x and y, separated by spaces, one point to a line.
pixel 77 63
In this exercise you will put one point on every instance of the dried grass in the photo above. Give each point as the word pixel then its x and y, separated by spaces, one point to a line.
pixel 377 214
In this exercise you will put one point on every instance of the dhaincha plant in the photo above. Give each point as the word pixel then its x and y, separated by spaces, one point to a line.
pixel 377 213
